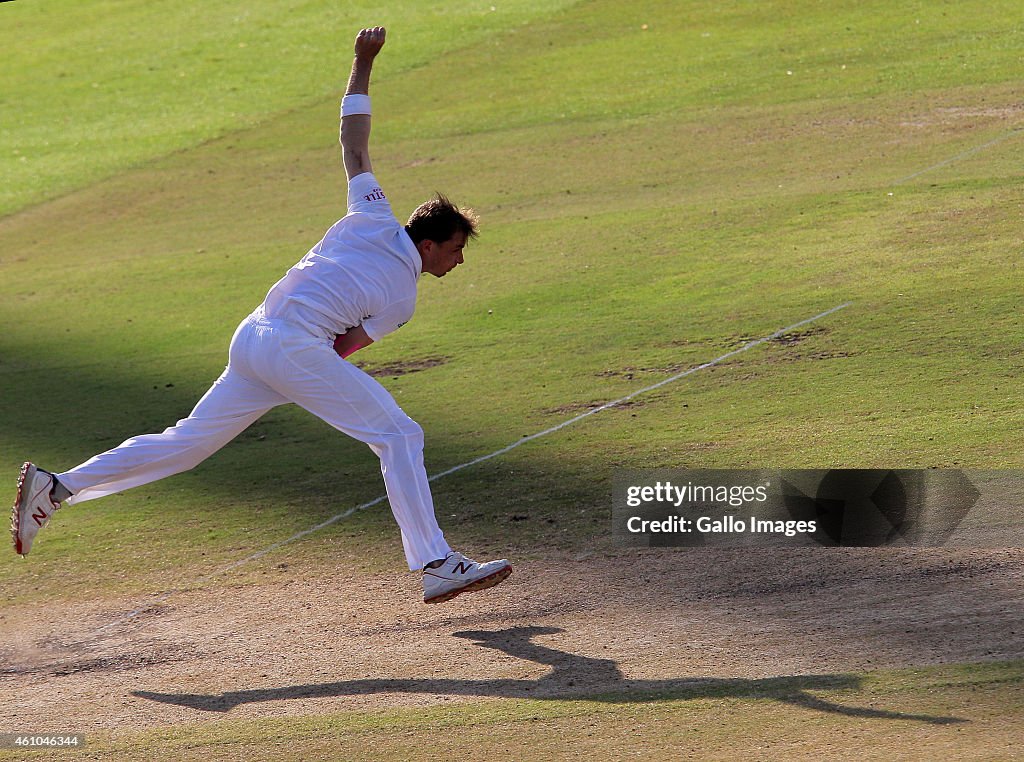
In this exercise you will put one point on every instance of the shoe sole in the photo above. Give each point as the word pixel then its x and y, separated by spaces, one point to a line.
pixel 16 510
pixel 479 584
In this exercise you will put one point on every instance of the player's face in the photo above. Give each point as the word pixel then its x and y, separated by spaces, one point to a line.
pixel 442 258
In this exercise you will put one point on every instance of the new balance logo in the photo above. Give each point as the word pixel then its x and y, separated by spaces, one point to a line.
pixel 462 568
pixel 40 518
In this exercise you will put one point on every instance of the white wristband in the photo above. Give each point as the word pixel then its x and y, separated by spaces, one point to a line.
pixel 355 104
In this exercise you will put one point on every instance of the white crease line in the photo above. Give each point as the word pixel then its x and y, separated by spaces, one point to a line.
pixel 345 514
pixel 646 389
pixel 962 155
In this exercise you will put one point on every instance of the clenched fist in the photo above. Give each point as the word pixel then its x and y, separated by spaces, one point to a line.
pixel 369 42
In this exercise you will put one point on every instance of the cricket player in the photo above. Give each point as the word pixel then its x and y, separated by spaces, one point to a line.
pixel 354 287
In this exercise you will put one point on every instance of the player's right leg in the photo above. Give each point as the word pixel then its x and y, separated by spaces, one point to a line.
pixel 234 402
pixel 33 506
pixel 228 408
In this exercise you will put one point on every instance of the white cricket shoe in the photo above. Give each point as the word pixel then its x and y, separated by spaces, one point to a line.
pixel 459 574
pixel 32 507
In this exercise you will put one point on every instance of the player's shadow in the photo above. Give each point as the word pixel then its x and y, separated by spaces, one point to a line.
pixel 572 676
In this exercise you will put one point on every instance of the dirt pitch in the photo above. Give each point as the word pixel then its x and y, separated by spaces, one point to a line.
pixel 621 626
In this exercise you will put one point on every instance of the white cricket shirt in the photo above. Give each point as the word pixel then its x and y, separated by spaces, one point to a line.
pixel 363 272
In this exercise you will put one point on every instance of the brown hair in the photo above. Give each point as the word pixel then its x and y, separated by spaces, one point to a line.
pixel 439 220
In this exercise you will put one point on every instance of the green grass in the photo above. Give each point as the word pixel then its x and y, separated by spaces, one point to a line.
pixel 624 239
pixel 651 198
pixel 946 712
pixel 95 88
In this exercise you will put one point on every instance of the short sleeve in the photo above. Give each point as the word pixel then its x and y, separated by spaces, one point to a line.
pixel 365 195
pixel 391 319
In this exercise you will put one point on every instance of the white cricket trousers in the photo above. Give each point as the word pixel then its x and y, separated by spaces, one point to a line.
pixel 270 363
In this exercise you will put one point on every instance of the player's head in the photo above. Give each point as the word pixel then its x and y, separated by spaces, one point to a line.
pixel 440 231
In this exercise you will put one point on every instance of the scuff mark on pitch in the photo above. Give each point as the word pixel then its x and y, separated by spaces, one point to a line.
pixel 402 367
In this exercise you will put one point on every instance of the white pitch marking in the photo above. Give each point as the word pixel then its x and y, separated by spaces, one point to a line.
pixel 962 155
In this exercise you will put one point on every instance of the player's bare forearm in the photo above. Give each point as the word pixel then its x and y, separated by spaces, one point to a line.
pixel 355 128
pixel 352 341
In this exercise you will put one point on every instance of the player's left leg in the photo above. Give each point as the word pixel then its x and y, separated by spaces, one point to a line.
pixel 316 378
pixel 353 402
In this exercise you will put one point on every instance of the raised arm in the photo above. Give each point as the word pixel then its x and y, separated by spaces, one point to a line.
pixel 355 120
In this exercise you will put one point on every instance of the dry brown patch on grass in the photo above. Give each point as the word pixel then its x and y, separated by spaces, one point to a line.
pixel 402 367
